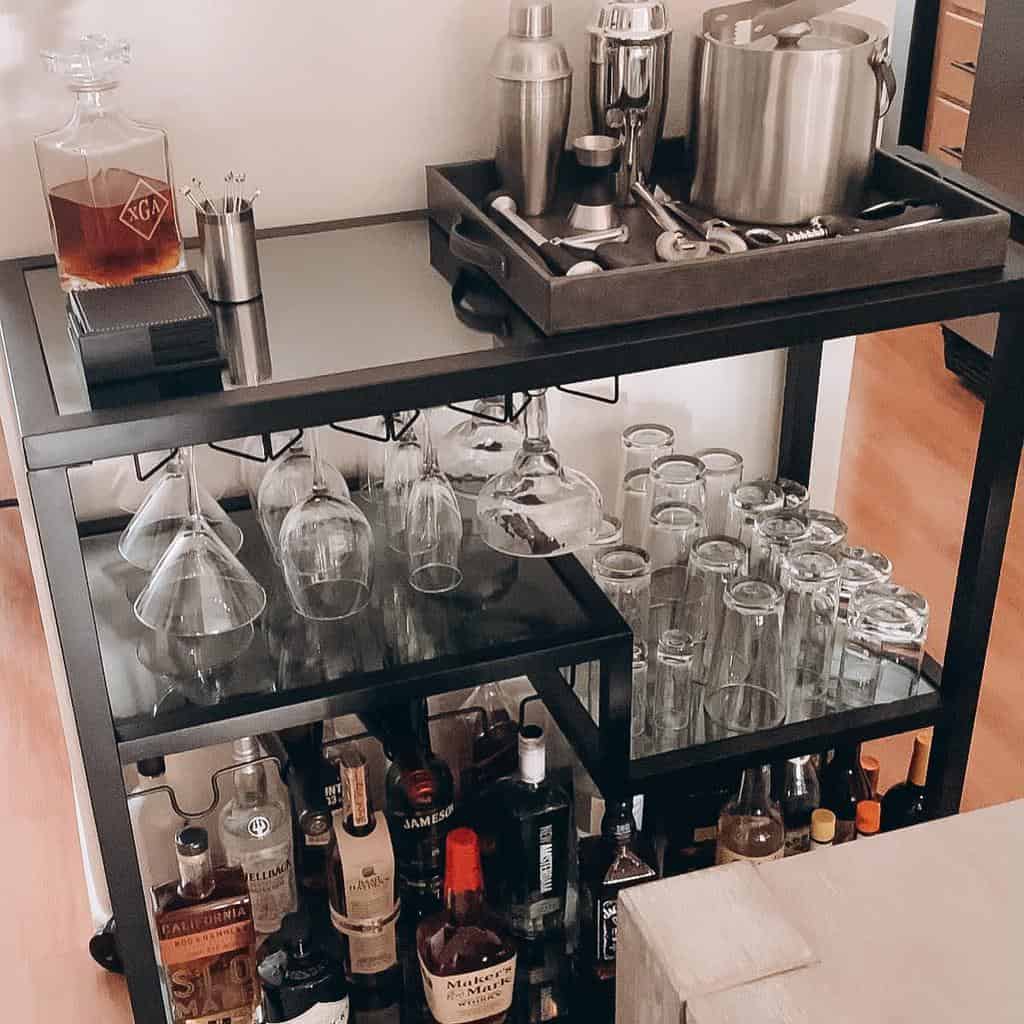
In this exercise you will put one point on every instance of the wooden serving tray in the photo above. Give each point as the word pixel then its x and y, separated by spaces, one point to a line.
pixel 972 237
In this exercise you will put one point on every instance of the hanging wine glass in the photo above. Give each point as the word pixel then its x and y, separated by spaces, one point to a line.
pixel 199 588
pixel 326 549
pixel 402 462
pixel 478 448
pixel 286 483
pixel 539 507
pixel 162 514
pixel 433 525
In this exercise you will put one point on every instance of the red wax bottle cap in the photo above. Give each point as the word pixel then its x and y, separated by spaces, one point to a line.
pixel 462 871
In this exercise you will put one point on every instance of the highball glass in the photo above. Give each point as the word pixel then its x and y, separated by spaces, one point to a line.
pixel 774 534
pixel 723 470
pixel 678 697
pixel 828 531
pixel 624 574
pixel 796 495
pixel 747 501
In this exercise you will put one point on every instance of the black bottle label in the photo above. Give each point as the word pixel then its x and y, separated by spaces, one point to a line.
pixel 607 928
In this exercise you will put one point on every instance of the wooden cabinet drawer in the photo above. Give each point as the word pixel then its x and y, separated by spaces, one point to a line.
pixel 948 130
pixel 956 56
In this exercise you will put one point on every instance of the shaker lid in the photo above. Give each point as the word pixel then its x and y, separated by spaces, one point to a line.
pixel 529 53
pixel 635 20
pixel 92 61
pixel 529 19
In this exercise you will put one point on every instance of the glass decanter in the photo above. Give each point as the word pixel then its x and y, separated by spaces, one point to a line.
pixel 106 179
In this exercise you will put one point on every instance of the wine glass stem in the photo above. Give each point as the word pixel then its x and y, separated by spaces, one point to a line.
pixel 536 422
pixel 427 443
pixel 319 483
pixel 193 483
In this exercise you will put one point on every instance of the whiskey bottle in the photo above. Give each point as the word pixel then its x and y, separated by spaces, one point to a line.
pixel 467 957
pixel 207 941
pixel 543 981
pixel 869 818
pixel 801 796
pixel 609 863
pixel 361 883
pixel 257 832
pixel 420 804
pixel 494 748
pixel 302 983
pixel 843 786
pixel 750 826
pixel 533 847
pixel 687 824
pixel 904 803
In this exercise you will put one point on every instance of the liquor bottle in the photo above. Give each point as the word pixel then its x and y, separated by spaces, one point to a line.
pixel 107 179
pixel 843 786
pixel 869 818
pixel 257 832
pixel 420 802
pixel 494 749
pixel 609 863
pixel 155 825
pixel 872 769
pixel 362 883
pixel 688 823
pixel 533 846
pixel 467 956
pixel 543 981
pixel 823 829
pixel 207 941
pixel 801 796
pixel 750 826
pixel 905 803
pixel 302 983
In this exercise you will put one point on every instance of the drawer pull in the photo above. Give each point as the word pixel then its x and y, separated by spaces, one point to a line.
pixel 965 65
pixel 956 152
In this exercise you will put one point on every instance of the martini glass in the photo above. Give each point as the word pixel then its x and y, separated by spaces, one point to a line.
pixel 198 588
pixel 539 507
pixel 479 447
pixel 326 548
pixel 163 513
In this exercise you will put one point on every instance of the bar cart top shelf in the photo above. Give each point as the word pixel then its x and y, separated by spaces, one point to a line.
pixel 359 323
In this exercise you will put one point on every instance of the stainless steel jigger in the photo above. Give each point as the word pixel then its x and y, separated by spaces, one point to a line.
pixel 231 266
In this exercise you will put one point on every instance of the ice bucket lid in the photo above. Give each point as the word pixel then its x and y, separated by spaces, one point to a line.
pixel 632 20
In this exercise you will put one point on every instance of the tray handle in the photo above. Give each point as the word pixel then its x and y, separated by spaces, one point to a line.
pixel 478 254
pixel 466 283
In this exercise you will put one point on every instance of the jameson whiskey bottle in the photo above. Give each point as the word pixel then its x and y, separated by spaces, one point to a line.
pixel 207 941
pixel 467 956
pixel 361 882
pixel 257 832
pixel 750 826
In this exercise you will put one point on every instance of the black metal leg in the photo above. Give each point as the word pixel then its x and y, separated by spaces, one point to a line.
pixel 616 709
pixel 65 569
pixel 799 411
pixel 981 559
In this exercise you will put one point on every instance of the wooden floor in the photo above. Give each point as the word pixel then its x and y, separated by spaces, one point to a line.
pixel 910 440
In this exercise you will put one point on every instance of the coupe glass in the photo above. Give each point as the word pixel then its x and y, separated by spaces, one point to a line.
pixel 723 470
pixel 163 513
pixel 402 461
pixel 433 525
pixel 539 507
pixel 199 588
pixel 285 484
pixel 326 551
pixel 478 448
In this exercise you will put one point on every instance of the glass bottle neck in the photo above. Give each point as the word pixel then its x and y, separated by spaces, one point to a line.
pixel 250 786
pixel 94 103
pixel 535 422
pixel 755 789
pixel 464 907
pixel 195 873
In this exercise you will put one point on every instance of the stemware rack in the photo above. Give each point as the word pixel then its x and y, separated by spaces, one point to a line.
pixel 46 441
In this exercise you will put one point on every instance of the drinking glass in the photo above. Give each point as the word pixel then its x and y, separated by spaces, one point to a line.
pixel 678 698
pixel 773 536
pixel 609 535
pixel 671 531
pixel 478 448
pixel 714 563
pixel 723 470
pixel 828 531
pixel 624 574
pixel 884 647
pixel 638 704
pixel 285 484
pixel 402 462
pixel 326 551
pixel 642 443
pixel 198 588
pixel 677 478
pixel 810 578
pixel 746 691
pixel 746 502
pixel 433 525
pixel 539 507
pixel 163 513
pixel 795 494
pixel 634 505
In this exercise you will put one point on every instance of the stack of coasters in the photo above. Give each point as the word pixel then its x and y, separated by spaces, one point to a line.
pixel 153 339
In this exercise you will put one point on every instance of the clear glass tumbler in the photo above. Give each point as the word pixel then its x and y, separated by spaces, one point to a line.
pixel 810 578
pixel 775 533
pixel 723 470
pixel 677 478
pixel 796 496
pixel 828 531
pixel 671 531
pixel 609 535
pixel 884 647
pixel 624 574
pixel 678 697
pixel 638 713
pixel 858 568
pixel 747 501
pixel 746 691
pixel 642 443
pixel 633 506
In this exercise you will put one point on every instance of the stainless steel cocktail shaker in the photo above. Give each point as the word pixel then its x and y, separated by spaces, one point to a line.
pixel 534 97
pixel 630 48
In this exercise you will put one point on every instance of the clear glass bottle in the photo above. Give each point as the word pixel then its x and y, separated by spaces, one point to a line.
pixel 256 828
pixel 801 796
pixel 106 178
pixel 207 943
pixel 750 826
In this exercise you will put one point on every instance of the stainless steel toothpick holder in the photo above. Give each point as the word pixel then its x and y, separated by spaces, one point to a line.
pixel 231 265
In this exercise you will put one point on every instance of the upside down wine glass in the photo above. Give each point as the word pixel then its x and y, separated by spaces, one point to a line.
pixel 539 507
pixel 326 551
